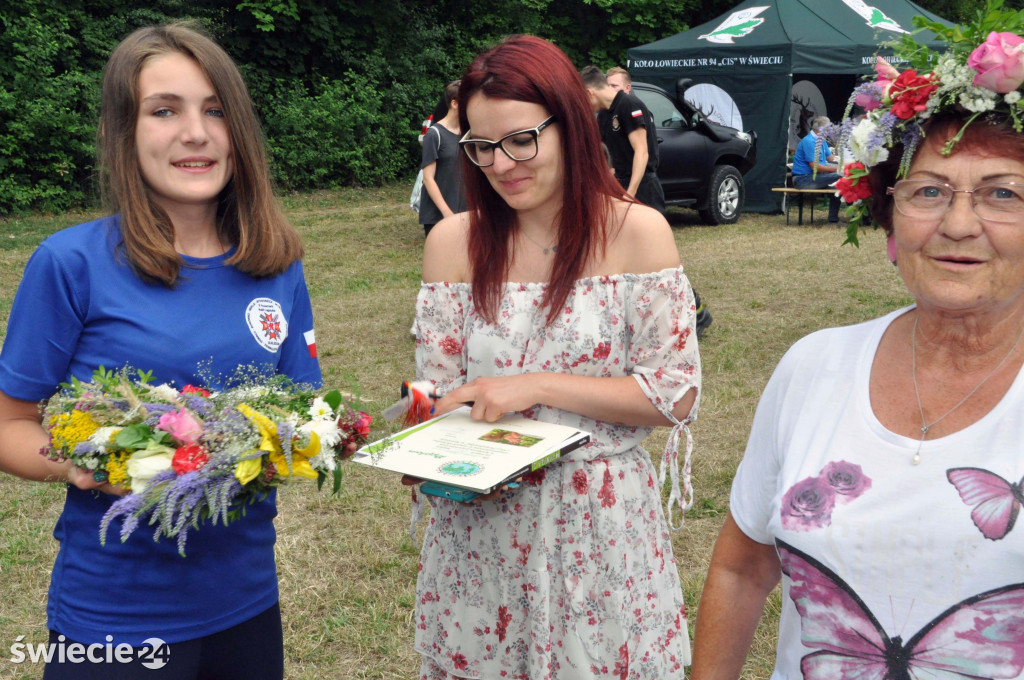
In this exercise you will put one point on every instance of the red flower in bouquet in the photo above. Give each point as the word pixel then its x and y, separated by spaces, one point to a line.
pixel 855 185
pixel 356 427
pixel 909 93
pixel 192 389
pixel 189 458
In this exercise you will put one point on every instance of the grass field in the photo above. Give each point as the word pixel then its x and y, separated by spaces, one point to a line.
pixel 347 567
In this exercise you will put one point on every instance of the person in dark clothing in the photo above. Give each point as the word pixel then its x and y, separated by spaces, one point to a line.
pixel 627 128
pixel 442 185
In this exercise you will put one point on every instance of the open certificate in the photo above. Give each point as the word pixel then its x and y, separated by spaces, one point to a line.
pixel 472 454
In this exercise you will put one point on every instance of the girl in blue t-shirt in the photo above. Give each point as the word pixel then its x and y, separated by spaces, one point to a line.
pixel 174 282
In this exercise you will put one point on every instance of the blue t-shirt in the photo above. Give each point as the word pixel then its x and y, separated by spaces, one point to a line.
pixel 80 305
pixel 805 155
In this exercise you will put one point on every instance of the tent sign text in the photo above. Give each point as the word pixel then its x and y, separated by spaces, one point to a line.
pixel 709 61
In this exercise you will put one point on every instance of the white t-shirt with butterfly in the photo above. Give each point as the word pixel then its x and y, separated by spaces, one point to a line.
pixel 889 568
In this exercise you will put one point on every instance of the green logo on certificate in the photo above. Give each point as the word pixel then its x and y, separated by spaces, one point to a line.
pixel 460 468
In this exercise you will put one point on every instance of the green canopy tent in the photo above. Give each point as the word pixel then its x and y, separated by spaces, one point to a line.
pixel 759 49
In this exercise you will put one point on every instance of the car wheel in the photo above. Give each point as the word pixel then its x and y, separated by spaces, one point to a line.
pixel 725 196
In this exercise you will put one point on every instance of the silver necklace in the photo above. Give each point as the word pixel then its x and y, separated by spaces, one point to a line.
pixel 547 249
pixel 926 426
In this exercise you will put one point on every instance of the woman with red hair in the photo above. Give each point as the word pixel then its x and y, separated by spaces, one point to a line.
pixel 558 297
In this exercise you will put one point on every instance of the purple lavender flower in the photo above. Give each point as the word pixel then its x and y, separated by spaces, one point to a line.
pixel 127 509
pixel 155 410
pixel 808 505
pixel 284 435
pixel 199 405
pixel 847 479
pixel 85 448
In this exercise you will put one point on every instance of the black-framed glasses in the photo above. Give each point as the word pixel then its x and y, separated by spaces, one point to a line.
pixel 928 199
pixel 519 146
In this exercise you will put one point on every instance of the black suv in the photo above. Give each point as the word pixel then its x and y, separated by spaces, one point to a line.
pixel 701 164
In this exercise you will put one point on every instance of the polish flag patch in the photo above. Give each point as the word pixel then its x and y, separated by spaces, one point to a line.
pixel 310 337
pixel 637 113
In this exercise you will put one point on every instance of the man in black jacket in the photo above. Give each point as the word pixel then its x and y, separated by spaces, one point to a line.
pixel 627 129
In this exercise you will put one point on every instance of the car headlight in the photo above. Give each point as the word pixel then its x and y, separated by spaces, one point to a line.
pixel 744 136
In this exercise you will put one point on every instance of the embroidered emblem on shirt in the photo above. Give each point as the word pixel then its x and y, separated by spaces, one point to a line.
pixel 266 322
pixel 615 123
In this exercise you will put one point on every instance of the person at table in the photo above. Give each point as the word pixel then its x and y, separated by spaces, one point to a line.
pixel 195 254
pixel 815 166
pixel 560 298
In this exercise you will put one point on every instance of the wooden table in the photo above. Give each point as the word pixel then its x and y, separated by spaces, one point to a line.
pixel 800 194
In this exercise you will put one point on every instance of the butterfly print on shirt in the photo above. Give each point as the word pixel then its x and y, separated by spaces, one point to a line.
pixel 994 502
pixel 979 638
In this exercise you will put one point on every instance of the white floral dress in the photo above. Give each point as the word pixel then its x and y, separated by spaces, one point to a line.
pixel 571 575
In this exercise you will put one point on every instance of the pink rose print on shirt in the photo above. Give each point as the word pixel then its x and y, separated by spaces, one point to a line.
pixel 501 627
pixel 808 505
pixel 622 663
pixel 607 492
pixel 450 346
pixel 579 482
pixel 847 479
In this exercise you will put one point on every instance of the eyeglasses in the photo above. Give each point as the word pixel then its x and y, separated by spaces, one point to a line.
pixel 926 199
pixel 519 146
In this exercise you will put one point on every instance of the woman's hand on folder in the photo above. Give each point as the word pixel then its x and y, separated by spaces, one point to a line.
pixel 492 398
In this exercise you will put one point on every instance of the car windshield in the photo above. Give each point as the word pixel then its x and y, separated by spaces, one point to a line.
pixel 662 108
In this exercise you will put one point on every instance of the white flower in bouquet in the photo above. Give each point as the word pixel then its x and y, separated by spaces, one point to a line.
pixel 147 463
pixel 165 392
pixel 103 437
pixel 864 143
pixel 321 410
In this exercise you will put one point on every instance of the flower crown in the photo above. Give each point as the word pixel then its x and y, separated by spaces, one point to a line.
pixel 980 74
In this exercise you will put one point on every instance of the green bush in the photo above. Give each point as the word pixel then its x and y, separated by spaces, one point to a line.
pixel 342 134
pixel 47 117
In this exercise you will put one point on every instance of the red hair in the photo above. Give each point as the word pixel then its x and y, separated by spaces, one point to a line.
pixel 529 69
pixel 987 136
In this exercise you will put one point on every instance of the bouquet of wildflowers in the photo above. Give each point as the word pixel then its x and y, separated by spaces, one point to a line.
pixel 192 455
pixel 981 73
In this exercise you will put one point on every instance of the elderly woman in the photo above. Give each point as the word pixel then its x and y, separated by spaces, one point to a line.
pixel 881 480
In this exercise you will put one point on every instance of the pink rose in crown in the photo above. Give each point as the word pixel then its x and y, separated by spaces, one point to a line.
pixel 886 73
pixel 999 63
pixel 181 425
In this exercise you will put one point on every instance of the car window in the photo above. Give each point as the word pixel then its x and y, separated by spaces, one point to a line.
pixel 662 108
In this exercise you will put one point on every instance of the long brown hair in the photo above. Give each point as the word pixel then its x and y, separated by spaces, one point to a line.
pixel 529 69
pixel 248 215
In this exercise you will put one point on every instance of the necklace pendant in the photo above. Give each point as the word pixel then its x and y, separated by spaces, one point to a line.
pixel 916 460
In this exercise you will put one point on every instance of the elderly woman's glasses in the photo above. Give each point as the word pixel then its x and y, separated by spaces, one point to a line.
pixel 927 199
pixel 519 146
